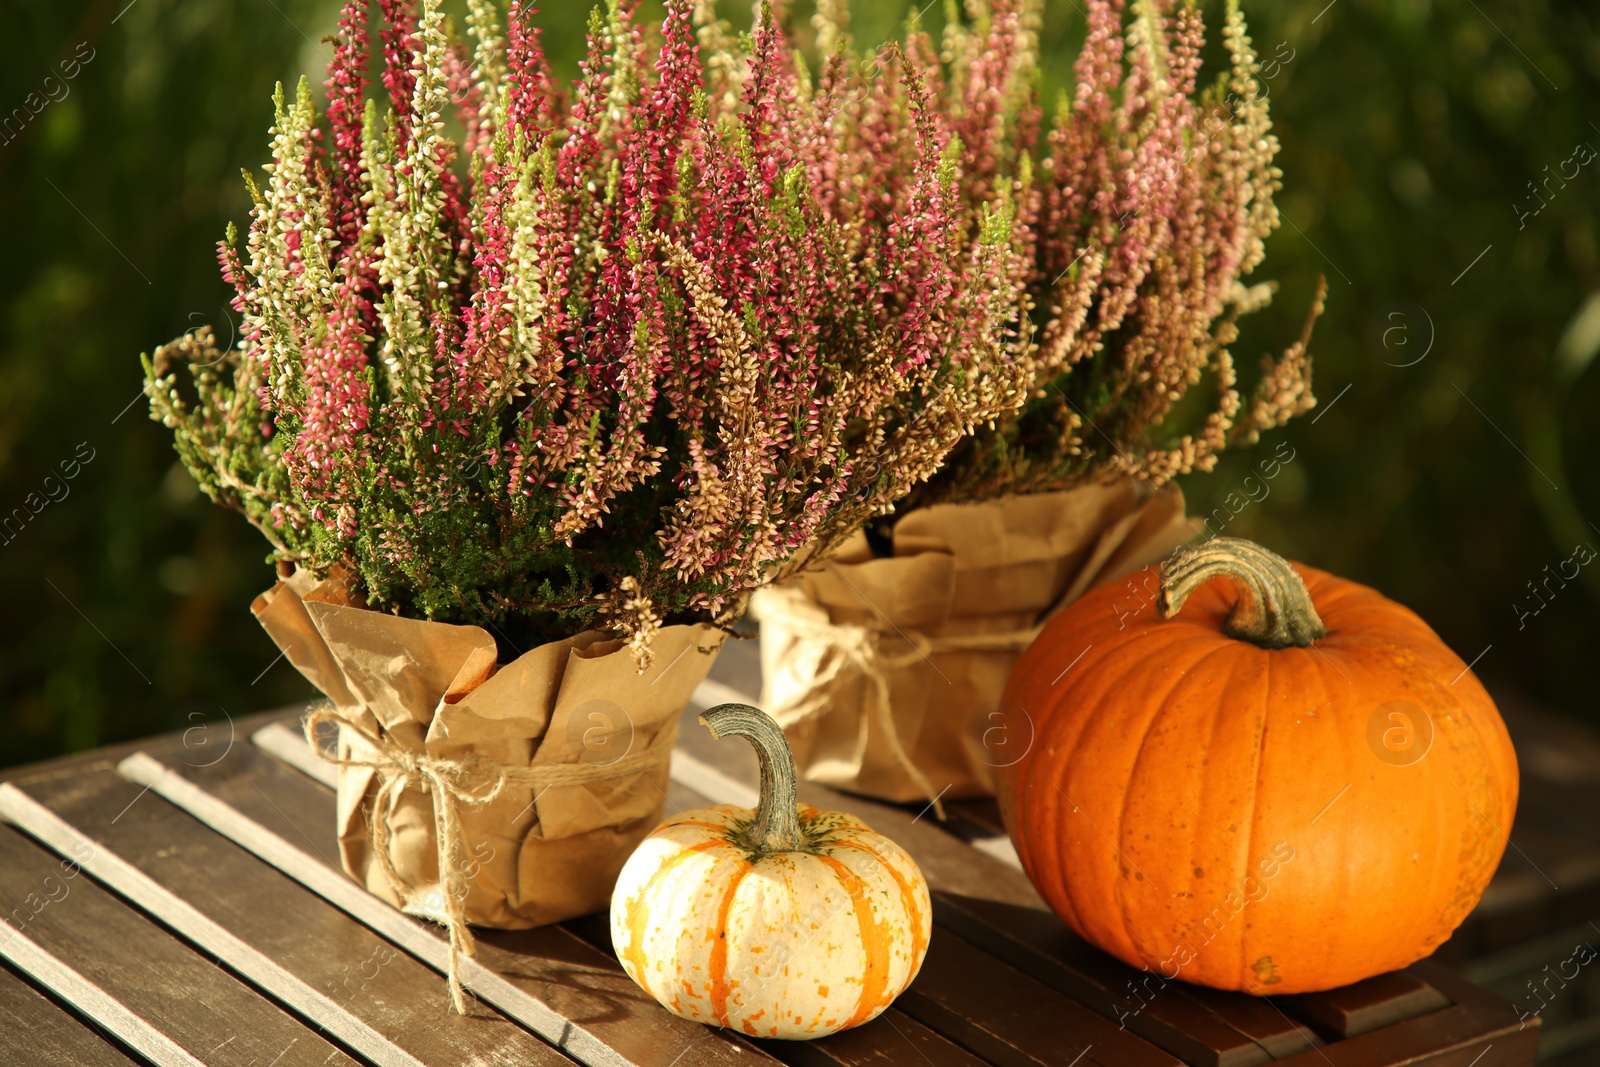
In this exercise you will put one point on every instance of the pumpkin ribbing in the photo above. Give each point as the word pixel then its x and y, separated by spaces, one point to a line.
pixel 1210 809
pixel 720 919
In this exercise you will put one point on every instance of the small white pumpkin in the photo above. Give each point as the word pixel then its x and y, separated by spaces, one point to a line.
pixel 783 922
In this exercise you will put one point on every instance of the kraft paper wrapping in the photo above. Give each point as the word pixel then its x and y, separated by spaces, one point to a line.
pixel 531 856
pixel 938 626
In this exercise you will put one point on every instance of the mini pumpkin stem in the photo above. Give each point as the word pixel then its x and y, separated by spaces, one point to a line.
pixel 776 827
pixel 1274 608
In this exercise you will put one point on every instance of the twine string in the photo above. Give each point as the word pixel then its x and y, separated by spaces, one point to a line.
pixel 836 647
pixel 472 782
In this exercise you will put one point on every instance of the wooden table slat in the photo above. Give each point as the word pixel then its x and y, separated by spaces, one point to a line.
pixel 265 927
pixel 128 880
pixel 280 739
pixel 1009 1018
pixel 1161 1013
pixel 1364 1006
pixel 1479 1029
pixel 1277 1031
pixel 547 965
pixel 893 1039
pixel 55 1035
pixel 979 811
pixel 1454 1037
pixel 155 994
pixel 105 1009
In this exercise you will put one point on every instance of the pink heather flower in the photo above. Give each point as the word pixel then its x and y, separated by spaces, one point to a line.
pixel 679 325
pixel 1150 203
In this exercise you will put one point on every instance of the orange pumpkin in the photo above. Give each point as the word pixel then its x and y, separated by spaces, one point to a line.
pixel 1257 777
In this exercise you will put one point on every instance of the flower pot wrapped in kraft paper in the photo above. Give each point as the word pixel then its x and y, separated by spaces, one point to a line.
pixel 527 784
pixel 886 672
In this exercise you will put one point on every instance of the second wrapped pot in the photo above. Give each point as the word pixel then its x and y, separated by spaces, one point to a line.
pixel 886 672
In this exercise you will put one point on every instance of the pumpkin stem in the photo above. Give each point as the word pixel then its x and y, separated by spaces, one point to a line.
pixel 1274 608
pixel 776 827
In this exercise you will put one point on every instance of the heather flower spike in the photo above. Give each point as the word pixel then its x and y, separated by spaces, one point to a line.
pixel 631 348
pixel 1135 214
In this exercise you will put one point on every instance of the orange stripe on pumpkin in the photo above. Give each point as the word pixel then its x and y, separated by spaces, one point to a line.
pixel 632 954
pixel 719 949
pixel 919 940
pixel 875 946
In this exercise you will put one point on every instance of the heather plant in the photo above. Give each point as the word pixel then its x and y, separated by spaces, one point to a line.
pixel 1137 211
pixel 616 354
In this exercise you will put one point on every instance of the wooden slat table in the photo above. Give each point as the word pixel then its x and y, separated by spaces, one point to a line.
pixel 178 901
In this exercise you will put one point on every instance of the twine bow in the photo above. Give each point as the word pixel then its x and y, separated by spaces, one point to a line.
pixel 471 782
pixel 837 646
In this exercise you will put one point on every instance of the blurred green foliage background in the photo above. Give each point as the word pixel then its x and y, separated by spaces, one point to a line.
pixel 1448 464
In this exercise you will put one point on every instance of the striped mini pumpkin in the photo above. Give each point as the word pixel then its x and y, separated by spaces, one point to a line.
pixel 784 922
